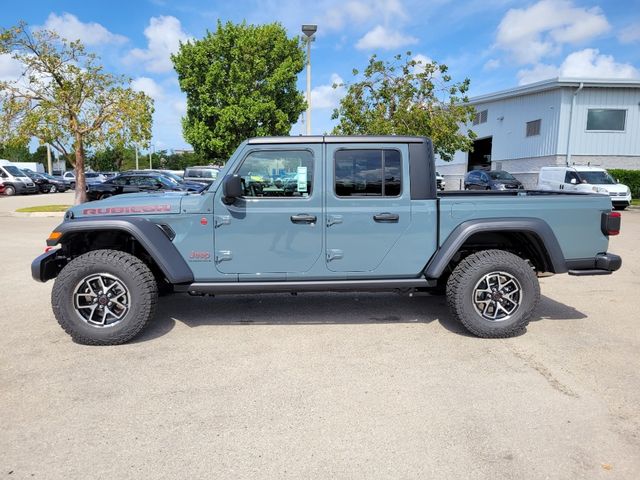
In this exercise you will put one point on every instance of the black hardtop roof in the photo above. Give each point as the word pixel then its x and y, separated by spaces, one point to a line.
pixel 338 139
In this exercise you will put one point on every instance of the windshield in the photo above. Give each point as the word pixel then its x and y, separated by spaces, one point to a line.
pixel 201 173
pixel 597 178
pixel 91 175
pixel 15 171
pixel 501 175
pixel 172 176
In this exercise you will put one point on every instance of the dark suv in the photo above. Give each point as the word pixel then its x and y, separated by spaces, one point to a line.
pixel 491 180
pixel 131 183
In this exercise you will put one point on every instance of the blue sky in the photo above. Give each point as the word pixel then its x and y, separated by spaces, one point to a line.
pixel 498 44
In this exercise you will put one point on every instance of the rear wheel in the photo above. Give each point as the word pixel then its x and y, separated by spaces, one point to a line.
pixel 104 297
pixel 493 293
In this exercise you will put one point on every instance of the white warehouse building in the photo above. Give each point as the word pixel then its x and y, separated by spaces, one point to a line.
pixel 551 123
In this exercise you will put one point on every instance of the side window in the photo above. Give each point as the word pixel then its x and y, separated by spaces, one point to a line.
pixel 368 173
pixel 3 174
pixel 571 175
pixel 119 181
pixel 277 174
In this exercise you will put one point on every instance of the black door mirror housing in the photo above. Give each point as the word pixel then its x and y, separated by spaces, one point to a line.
pixel 232 188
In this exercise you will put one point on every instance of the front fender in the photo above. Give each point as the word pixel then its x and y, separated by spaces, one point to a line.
pixel 150 236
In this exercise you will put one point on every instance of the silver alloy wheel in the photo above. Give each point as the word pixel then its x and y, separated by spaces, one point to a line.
pixel 497 296
pixel 53 189
pixel 101 300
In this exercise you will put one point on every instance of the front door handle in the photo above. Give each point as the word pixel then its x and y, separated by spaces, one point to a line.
pixel 387 217
pixel 304 218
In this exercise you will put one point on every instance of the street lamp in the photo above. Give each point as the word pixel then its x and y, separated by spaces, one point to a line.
pixel 309 31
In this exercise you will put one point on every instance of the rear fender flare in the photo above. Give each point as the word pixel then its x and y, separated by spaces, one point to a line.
pixel 465 230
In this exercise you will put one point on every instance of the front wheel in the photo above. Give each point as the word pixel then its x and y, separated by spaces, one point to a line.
pixel 9 190
pixel 493 293
pixel 104 297
pixel 53 189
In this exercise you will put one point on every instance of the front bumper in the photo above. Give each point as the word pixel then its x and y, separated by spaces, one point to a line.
pixel 601 264
pixel 48 265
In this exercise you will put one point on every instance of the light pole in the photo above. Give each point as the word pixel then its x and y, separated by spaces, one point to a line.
pixel 309 31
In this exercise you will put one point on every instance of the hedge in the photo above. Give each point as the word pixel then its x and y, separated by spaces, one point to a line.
pixel 630 178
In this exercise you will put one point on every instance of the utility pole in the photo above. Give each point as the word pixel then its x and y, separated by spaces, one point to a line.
pixel 309 31
pixel 137 164
pixel 49 163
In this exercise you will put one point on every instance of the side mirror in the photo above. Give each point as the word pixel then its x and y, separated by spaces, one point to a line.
pixel 573 181
pixel 232 188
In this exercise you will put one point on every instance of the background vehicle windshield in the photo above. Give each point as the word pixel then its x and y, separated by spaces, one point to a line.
pixel 501 175
pixel 15 171
pixel 202 173
pixel 597 178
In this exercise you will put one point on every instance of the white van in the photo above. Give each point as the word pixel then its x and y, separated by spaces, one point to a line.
pixel 585 179
pixel 14 179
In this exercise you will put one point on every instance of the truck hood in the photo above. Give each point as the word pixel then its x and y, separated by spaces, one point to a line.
pixel 130 204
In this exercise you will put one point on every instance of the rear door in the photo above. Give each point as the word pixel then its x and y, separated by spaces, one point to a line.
pixel 368 204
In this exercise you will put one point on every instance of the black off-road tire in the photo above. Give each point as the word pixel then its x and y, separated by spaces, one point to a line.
pixel 132 272
pixel 465 278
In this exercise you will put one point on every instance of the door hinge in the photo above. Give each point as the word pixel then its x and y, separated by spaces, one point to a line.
pixel 223 255
pixel 221 220
pixel 334 254
pixel 333 219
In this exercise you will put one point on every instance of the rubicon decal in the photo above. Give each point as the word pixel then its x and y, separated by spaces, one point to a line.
pixel 131 209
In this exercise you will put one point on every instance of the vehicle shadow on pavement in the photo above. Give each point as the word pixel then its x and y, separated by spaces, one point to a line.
pixel 318 309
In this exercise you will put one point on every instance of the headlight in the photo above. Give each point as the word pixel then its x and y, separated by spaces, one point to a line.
pixel 502 186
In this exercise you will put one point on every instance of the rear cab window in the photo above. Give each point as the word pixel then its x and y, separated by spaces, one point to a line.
pixel 367 173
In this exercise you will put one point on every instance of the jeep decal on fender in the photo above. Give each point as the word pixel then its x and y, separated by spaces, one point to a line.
pixel 123 210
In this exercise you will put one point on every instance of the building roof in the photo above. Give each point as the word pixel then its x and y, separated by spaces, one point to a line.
pixel 555 83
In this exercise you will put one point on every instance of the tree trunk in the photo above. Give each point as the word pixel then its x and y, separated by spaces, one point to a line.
pixel 81 183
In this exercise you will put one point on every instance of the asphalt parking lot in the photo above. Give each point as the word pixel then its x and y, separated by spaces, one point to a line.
pixel 321 385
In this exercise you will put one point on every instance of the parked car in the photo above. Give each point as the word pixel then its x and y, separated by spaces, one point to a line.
pixel 56 184
pixel 1 188
pixel 491 180
pixel 440 183
pixel 206 174
pixel 585 179
pixel 94 177
pixel 41 182
pixel 131 183
pixel 189 186
pixel 15 180
pixel 70 179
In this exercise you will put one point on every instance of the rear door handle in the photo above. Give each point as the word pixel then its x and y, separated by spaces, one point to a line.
pixel 303 218
pixel 387 217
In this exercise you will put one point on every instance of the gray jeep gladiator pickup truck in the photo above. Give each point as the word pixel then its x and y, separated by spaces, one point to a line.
pixel 320 213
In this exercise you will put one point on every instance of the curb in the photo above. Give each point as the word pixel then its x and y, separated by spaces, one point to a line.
pixel 36 214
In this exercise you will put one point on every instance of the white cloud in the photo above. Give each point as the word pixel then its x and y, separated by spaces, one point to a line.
pixel 10 69
pixel 589 63
pixel 325 96
pixel 385 39
pixel 541 29
pixel 70 27
pixel 421 60
pixel 148 86
pixel 164 35
pixel 491 64
pixel 341 14
pixel 630 33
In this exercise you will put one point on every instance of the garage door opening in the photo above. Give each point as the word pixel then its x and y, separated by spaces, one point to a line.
pixel 480 157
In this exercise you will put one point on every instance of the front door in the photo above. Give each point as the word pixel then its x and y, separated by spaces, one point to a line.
pixel 276 227
pixel 368 204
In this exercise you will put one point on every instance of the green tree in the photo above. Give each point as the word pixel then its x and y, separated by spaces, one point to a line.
pixel 240 82
pixel 408 97
pixel 16 152
pixel 65 98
